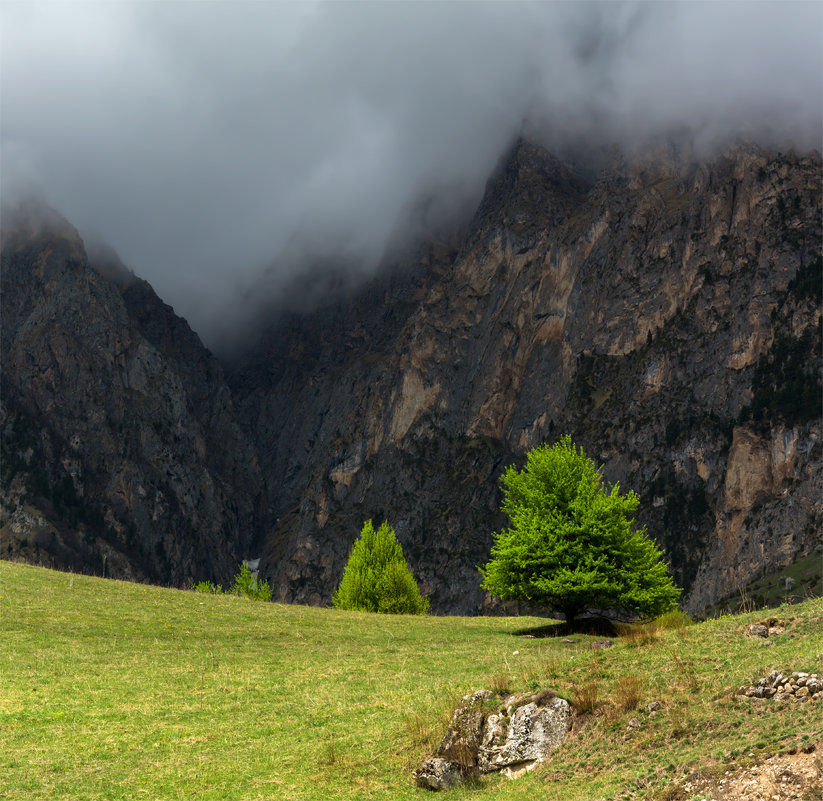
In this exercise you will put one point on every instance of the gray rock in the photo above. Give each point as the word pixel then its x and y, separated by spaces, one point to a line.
pixel 512 740
pixel 653 706
pixel 495 730
pixel 533 734
pixel 798 687
pixel 464 736
pixel 757 630
pixel 438 774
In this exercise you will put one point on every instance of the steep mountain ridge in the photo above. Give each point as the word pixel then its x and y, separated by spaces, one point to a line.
pixel 632 313
pixel 665 312
pixel 120 450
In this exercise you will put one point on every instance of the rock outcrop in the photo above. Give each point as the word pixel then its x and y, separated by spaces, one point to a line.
pixel 121 453
pixel 512 739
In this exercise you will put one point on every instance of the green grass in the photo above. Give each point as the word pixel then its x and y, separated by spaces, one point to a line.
pixel 111 690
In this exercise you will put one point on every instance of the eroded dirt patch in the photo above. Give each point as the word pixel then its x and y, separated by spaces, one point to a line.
pixel 791 777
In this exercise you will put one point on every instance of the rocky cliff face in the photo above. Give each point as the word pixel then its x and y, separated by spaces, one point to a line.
pixel 120 448
pixel 667 315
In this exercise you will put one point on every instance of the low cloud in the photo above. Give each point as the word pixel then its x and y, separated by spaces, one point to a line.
pixel 212 143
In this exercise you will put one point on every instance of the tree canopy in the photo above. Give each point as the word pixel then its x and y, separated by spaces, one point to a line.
pixel 572 545
pixel 377 578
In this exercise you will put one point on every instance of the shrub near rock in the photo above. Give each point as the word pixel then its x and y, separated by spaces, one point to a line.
pixel 247 586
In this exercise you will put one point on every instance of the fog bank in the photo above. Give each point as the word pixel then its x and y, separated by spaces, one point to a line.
pixel 209 143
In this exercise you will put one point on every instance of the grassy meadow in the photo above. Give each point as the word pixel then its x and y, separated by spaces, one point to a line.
pixel 111 690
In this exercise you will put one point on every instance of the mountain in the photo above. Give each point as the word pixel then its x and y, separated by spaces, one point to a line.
pixel 666 314
pixel 664 310
pixel 121 452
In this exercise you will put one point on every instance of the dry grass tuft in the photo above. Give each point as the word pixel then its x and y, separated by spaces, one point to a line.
pixel 544 697
pixel 421 729
pixel 635 634
pixel 330 754
pixel 674 620
pixel 673 793
pixel 586 696
pixel 501 684
pixel 680 720
pixel 686 673
pixel 629 692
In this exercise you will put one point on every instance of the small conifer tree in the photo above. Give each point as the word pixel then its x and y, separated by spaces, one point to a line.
pixel 377 578
pixel 246 585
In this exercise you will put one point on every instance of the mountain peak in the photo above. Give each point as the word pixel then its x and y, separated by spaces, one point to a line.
pixel 31 219
pixel 531 187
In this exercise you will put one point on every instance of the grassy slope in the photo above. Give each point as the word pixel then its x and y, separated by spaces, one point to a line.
pixel 112 690
pixel 807 573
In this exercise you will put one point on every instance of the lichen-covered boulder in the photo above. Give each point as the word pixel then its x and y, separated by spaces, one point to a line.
pixel 462 741
pixel 438 774
pixel 533 733
pixel 513 739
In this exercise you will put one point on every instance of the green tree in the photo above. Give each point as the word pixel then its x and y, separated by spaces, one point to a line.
pixel 245 584
pixel 572 545
pixel 377 578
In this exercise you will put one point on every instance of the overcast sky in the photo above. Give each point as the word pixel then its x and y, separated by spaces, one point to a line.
pixel 206 140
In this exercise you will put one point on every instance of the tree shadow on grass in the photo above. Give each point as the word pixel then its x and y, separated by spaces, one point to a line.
pixel 557 628
pixel 595 626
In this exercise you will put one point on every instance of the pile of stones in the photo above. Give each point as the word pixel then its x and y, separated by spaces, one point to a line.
pixel 786 687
